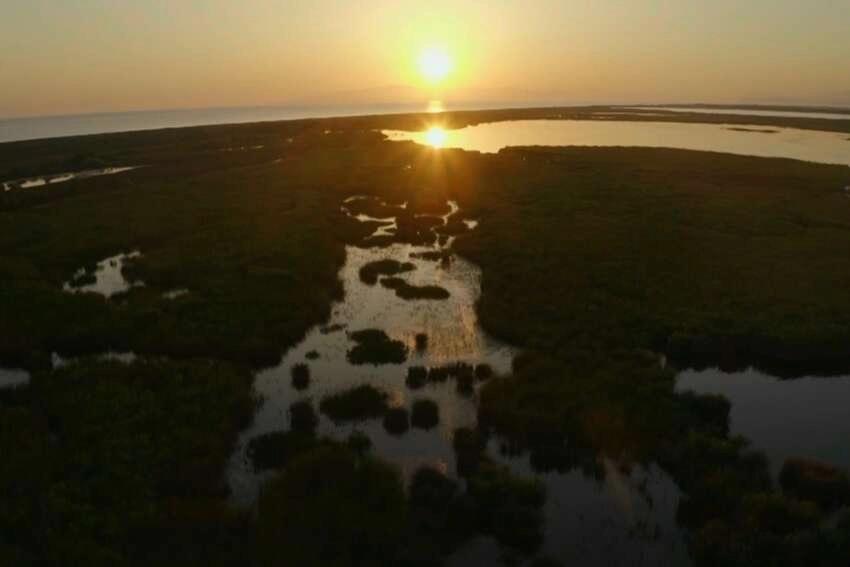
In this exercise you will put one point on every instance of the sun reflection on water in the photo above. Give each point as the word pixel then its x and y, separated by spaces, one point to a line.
pixel 436 137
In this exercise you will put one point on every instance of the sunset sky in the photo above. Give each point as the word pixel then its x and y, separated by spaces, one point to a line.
pixel 61 57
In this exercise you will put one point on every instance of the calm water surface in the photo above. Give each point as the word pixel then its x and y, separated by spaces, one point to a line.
pixel 803 417
pixel 36 182
pixel 453 335
pixel 623 518
pixel 806 145
pixel 109 277
pixel 31 128
pixel 11 377
pixel 744 112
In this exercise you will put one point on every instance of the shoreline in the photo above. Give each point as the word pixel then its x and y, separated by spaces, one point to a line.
pixel 453 119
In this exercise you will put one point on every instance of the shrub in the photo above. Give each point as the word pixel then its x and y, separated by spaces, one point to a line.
pixel 358 403
pixel 439 510
pixel 397 421
pixel 469 445
pixel 438 374
pixel 275 449
pixel 359 443
pixel 465 385
pixel 375 347
pixel 407 291
pixel 433 255
pixel 330 507
pixel 421 342
pixel 483 371
pixel 425 414
pixel 416 377
pixel 508 507
pixel 368 336
pixel 825 484
pixel 300 376
pixel 302 417
pixel 369 272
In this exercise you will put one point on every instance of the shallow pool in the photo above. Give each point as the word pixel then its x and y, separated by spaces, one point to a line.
pixel 801 417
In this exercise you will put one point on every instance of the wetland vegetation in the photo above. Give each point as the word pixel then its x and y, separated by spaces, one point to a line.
pixel 370 272
pixel 375 347
pixel 407 291
pixel 594 261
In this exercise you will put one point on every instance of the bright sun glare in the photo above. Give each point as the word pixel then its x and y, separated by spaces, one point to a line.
pixel 435 64
pixel 435 137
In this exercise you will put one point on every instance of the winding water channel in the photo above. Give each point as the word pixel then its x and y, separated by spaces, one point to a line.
pixel 624 517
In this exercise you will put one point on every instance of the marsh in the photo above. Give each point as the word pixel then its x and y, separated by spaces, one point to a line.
pixel 570 275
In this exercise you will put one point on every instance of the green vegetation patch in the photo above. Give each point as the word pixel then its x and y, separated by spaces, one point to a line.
pixel 417 376
pixel 753 130
pixel 122 463
pixel 425 414
pixel 355 404
pixel 276 449
pixel 510 508
pixel 369 272
pixel 375 347
pixel 397 421
pixel 407 291
pixel 330 507
pixel 421 342
pixel 827 485
pixel 302 417
pixel 593 260
pixel 443 256
pixel 300 376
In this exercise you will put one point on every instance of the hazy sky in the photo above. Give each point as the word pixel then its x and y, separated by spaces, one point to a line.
pixel 64 56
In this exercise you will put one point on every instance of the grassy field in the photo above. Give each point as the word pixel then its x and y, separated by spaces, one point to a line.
pixel 594 261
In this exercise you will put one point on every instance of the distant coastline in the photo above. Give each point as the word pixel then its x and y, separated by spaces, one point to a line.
pixel 60 126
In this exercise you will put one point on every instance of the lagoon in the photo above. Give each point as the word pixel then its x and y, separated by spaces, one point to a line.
pixel 806 145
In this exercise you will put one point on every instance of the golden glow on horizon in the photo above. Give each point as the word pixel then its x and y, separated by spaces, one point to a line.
pixel 435 64
pixel 435 106
pixel 436 137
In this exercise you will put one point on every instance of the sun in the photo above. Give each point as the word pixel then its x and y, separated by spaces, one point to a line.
pixel 436 137
pixel 435 64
